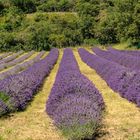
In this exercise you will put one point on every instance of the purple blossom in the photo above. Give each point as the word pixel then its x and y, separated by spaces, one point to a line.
pixel 135 53
pixel 11 57
pixel 128 61
pixel 15 61
pixel 73 98
pixel 121 79
pixel 21 67
pixel 21 87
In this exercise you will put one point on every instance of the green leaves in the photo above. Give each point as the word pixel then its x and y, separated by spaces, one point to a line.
pixel 69 22
pixel 55 30
pixel 119 23
pixel 27 6
pixel 57 5
pixel 5 98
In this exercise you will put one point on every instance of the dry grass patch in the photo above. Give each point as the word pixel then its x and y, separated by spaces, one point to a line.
pixel 46 53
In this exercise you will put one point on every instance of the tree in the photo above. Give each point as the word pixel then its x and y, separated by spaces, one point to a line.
pixel 27 6
pixel 1 7
pixel 88 11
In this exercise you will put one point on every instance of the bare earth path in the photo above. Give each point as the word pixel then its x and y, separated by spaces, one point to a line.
pixel 122 119
pixel 33 123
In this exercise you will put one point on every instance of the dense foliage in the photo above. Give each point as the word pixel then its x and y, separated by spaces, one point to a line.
pixel 41 32
pixel 57 5
pixel 119 21
pixel 98 21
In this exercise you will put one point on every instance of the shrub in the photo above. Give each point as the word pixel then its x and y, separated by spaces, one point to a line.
pixel 57 5
pixel 21 87
pixel 121 79
pixel 39 35
pixel 6 41
pixel 67 26
pixel 27 6
pixel 1 7
pixel 74 104
pixel 91 42
pixel 50 6
pixel 13 19
pixel 4 97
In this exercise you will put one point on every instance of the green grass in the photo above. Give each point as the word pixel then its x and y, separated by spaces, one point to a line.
pixel 77 132
pixel 124 46
pixel 4 97
pixel 33 15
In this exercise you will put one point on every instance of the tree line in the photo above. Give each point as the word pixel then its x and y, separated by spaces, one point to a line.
pixel 98 21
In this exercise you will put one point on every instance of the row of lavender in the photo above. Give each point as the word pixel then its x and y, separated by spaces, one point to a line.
pixel 20 67
pixel 15 61
pixel 11 57
pixel 126 60
pixel 121 79
pixel 17 90
pixel 129 52
pixel 74 104
pixel 5 55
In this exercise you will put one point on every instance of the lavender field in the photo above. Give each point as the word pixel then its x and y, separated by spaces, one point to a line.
pixel 70 94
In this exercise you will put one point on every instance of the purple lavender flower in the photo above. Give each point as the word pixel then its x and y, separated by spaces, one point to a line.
pixel 128 61
pixel 21 87
pixel 10 58
pixel 135 53
pixel 73 100
pixel 119 78
pixel 20 67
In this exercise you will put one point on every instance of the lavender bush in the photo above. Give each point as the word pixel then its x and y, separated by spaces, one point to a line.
pixel 20 88
pixel 126 60
pixel 135 53
pixel 121 79
pixel 15 61
pixel 10 58
pixel 5 55
pixel 74 104
pixel 20 67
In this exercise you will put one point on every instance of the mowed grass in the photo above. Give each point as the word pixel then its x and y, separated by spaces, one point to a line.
pixel 33 123
pixel 122 118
